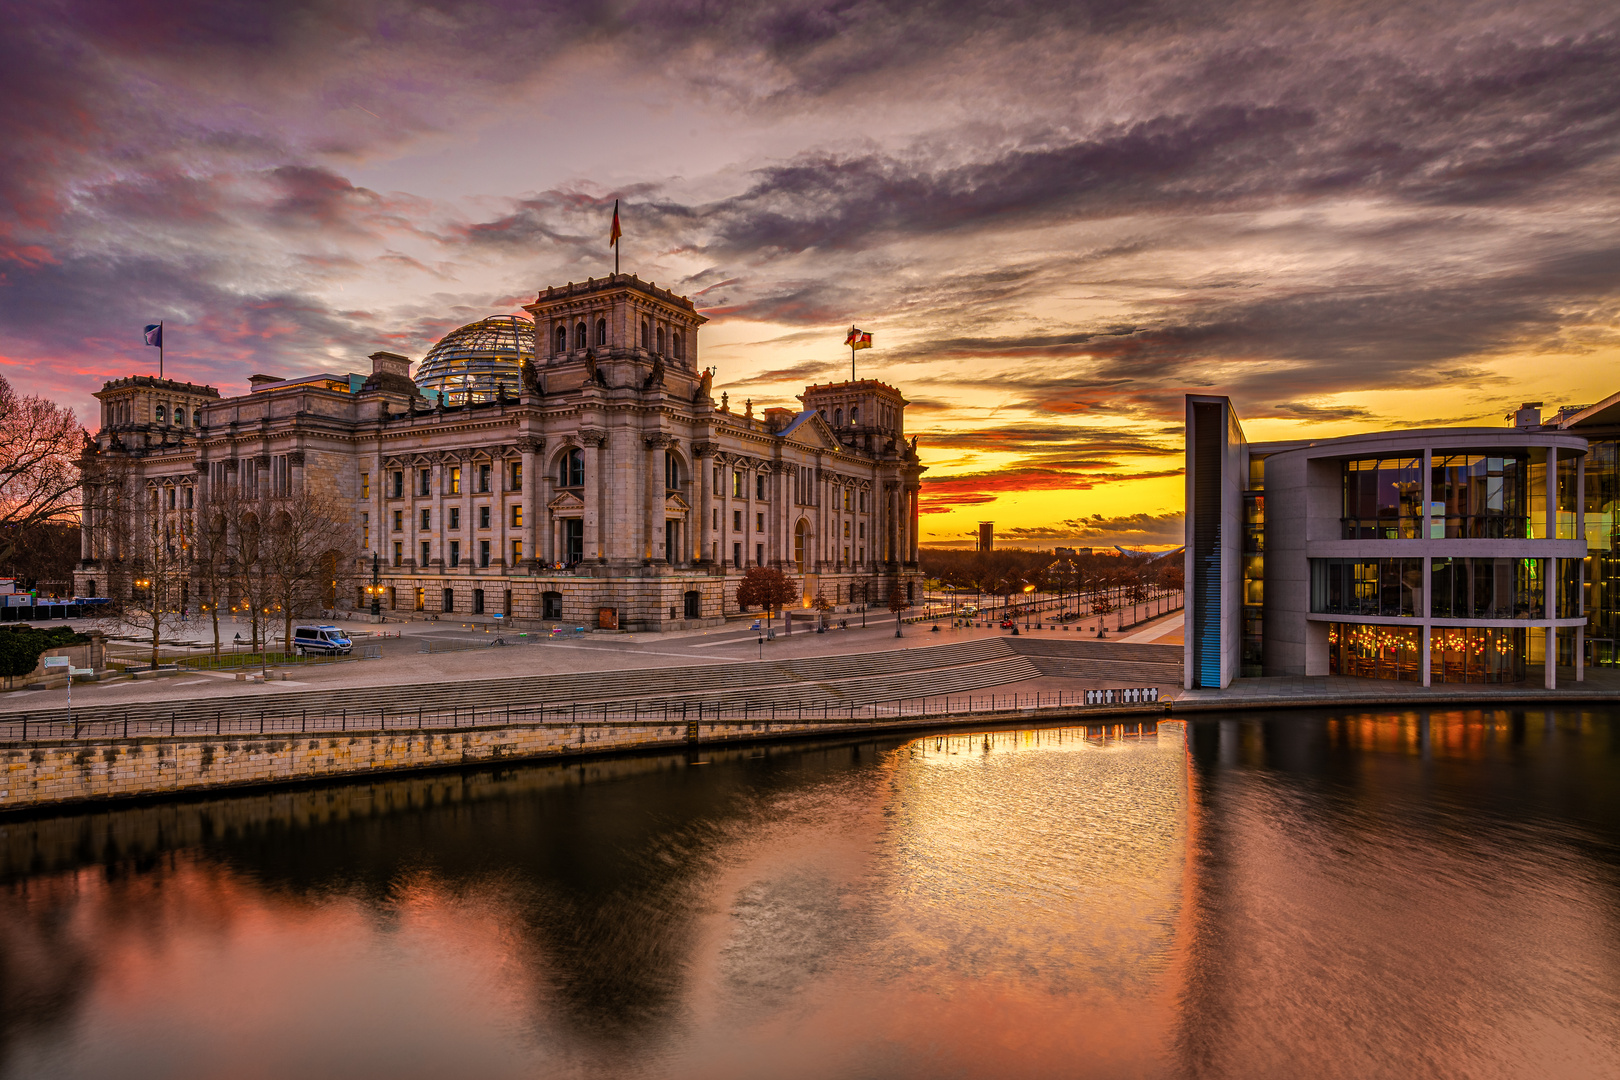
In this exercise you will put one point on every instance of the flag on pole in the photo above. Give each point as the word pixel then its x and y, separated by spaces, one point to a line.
pixel 613 237
pixel 154 335
pixel 858 339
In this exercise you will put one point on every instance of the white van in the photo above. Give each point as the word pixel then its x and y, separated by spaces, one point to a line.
pixel 321 641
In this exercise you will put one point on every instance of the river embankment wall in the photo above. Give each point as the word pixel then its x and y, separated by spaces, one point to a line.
pixel 67 772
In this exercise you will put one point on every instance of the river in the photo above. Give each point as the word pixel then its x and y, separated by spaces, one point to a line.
pixel 1280 895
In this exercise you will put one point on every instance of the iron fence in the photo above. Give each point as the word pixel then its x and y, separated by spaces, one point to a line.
pixel 689 715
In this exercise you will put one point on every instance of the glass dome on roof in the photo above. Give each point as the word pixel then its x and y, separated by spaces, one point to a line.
pixel 478 359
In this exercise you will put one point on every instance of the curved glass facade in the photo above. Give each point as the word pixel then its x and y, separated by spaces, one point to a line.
pixel 479 360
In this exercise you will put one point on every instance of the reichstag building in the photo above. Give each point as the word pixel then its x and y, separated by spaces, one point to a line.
pixel 572 465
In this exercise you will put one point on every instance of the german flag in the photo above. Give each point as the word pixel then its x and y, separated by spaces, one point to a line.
pixel 613 237
pixel 858 339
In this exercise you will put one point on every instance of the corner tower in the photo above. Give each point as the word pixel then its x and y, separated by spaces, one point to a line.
pixel 630 330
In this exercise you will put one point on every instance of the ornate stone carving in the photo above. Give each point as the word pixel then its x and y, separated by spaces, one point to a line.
pixel 531 446
pixel 705 449
pixel 659 440
pixel 593 437
pixel 295 458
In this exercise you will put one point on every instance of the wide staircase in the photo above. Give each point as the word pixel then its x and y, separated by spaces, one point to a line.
pixel 811 684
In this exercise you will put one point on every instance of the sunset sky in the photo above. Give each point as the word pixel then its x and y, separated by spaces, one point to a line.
pixel 1055 219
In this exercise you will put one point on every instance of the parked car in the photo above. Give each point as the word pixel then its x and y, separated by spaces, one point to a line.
pixel 321 641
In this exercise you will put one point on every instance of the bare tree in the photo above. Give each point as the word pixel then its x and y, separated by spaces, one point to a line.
pixel 40 444
pixel 245 563
pixel 143 545
pixel 309 552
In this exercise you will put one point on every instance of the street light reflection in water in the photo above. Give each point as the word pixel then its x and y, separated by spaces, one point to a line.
pixel 1333 895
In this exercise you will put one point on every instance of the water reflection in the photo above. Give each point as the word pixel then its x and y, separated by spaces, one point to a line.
pixel 1378 894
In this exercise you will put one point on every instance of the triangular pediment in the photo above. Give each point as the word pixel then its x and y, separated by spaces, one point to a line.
pixel 810 430
pixel 674 503
pixel 566 500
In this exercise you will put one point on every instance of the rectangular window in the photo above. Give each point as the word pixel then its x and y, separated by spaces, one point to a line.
pixel 453 483
pixel 1478 496
pixel 478 601
pixel 759 554
pixel 449 600
pixel 483 553
pixel 736 484
pixel 759 523
pixel 736 521
pixel 1382 498
pixel 399 484
pixel 424 481
pixel 1385 587
pixel 455 553
pixel 849 498
pixel 1488 588
pixel 483 479
pixel 517 552
pixel 365 530
pixel 759 486
pixel 517 477
pixel 399 521
pixel 863 502
pixel 717 521
pixel 399 553
pixel 736 555
pixel 517 516
pixel 861 530
pixel 427 519
pixel 455 517
pixel 365 485
pixel 427 553
pixel 483 517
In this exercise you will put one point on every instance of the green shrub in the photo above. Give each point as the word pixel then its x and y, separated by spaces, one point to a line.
pixel 22 646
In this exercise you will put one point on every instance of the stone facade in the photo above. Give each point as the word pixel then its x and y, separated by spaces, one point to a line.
pixel 611 489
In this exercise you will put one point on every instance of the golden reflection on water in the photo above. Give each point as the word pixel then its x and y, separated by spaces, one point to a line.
pixel 1360 895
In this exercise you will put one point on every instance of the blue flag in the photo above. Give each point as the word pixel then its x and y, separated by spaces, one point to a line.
pixel 154 335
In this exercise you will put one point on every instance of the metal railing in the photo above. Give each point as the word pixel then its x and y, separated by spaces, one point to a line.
pixel 763 718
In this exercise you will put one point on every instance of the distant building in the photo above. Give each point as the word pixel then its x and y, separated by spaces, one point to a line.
pixel 1428 555
pixel 987 536
pixel 1070 552
pixel 570 465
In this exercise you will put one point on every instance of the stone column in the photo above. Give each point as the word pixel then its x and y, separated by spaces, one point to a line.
pixel 436 486
pixel 593 441
pixel 916 511
pixel 891 530
pixel 295 472
pixel 653 507
pixel 703 487
pixel 725 538
pixel 530 535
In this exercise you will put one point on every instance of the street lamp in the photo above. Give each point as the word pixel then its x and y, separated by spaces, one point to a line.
pixel 376 587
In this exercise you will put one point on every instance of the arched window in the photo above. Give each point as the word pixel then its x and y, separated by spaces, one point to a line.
pixel 838 417
pixel 601 331
pixel 660 339
pixel 672 471
pixel 179 418
pixel 562 339
pixel 571 471
pixel 162 414
pixel 675 346
pixel 644 334
pixel 854 415
pixel 580 341
pixel 800 534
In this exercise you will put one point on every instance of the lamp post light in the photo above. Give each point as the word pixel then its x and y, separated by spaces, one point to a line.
pixel 376 587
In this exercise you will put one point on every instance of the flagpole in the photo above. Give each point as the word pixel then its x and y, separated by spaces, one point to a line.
pixel 160 357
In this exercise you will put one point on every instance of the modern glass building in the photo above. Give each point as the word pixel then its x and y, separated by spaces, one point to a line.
pixel 1432 556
